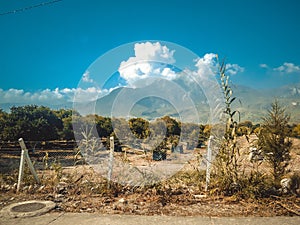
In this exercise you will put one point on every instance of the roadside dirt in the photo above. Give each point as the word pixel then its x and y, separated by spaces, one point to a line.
pixel 81 189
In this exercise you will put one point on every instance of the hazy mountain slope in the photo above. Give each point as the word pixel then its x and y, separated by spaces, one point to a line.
pixel 251 103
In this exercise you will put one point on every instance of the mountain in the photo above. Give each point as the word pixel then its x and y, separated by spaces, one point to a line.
pixel 255 103
pixel 251 103
pixel 6 106
pixel 151 102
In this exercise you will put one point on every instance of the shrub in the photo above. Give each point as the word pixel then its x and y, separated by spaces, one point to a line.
pixel 274 141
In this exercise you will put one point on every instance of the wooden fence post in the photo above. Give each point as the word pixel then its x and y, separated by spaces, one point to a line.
pixel 25 157
pixel 110 160
pixel 208 162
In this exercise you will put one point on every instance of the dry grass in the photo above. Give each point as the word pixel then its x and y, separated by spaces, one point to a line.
pixel 81 189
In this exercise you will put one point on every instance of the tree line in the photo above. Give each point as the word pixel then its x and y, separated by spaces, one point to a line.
pixel 40 123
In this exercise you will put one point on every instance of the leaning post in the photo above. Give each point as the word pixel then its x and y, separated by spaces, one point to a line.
pixel 208 162
pixel 25 156
pixel 110 160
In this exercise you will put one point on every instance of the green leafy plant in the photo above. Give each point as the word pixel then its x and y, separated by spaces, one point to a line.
pixel 274 141
pixel 227 165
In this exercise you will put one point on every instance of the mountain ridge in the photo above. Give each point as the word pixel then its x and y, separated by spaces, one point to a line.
pixel 251 103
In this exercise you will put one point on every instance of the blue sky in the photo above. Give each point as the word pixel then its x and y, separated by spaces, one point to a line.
pixel 47 49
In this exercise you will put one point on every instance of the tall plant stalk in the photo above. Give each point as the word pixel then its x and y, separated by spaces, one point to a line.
pixel 227 166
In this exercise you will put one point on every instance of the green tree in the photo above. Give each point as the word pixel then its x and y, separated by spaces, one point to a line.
pixel 245 123
pixel 65 115
pixel 32 123
pixel 296 130
pixel 104 126
pixel 190 133
pixel 274 140
pixel 3 120
pixel 139 127
pixel 173 126
pixel 67 132
pixel 244 128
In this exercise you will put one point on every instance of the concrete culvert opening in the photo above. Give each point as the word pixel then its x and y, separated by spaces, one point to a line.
pixel 27 208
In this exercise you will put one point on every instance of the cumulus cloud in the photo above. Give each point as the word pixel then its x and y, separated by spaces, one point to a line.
pixel 207 65
pixel 155 60
pixel 150 59
pixel 288 68
pixel 47 96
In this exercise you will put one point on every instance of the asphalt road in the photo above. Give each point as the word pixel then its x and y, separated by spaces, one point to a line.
pixel 89 219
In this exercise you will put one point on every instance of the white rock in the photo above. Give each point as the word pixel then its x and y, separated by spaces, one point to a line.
pixel 286 184
pixel 122 200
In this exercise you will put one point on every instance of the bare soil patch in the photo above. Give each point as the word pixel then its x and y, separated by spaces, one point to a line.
pixel 80 189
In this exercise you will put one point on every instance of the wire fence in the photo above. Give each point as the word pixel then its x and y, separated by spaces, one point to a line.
pixel 42 153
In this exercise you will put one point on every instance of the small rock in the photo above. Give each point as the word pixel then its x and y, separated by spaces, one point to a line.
pixel 286 185
pixel 59 198
pixel 85 209
pixel 88 210
pixel 122 200
pixel 107 200
pixel 200 196
pixel 61 187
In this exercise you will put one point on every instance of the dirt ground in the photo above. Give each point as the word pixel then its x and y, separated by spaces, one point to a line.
pixel 179 203
pixel 81 189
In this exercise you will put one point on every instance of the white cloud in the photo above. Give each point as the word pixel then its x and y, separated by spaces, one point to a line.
pixel 86 77
pixel 86 95
pixel 207 66
pixel 168 73
pixel 150 59
pixel 263 65
pixel 50 97
pixel 288 68
pixel 233 69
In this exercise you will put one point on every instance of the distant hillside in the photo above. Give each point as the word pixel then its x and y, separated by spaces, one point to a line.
pixel 6 106
pixel 255 103
pixel 251 103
